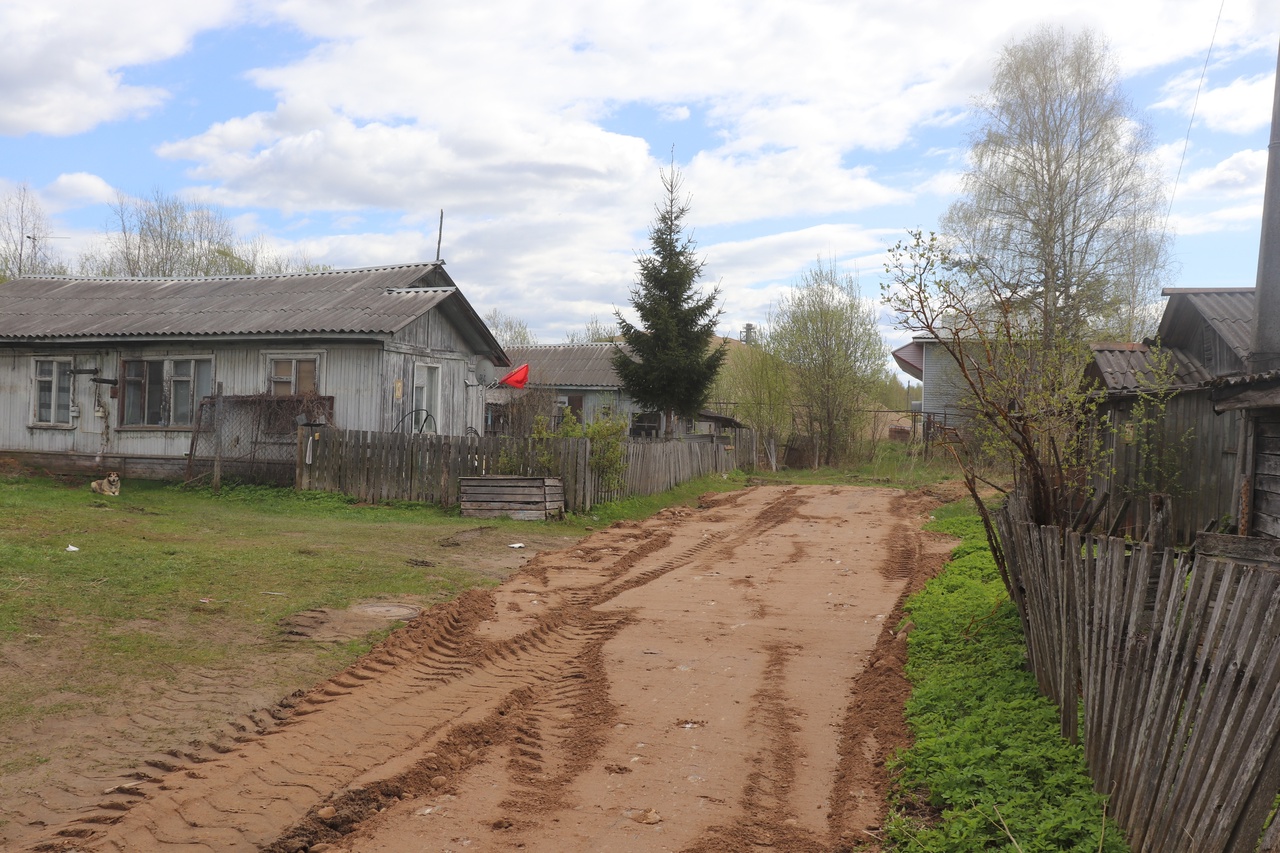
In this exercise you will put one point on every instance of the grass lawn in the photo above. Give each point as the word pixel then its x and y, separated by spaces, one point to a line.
pixel 166 580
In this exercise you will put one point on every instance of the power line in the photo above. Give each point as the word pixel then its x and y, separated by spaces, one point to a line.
pixel 1194 105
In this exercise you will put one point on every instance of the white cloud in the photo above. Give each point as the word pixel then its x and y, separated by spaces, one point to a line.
pixel 61 67
pixel 1241 217
pixel 1242 174
pixel 804 125
pixel 76 189
pixel 1241 106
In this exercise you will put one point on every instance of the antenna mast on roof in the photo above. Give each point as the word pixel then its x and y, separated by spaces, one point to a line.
pixel 439 235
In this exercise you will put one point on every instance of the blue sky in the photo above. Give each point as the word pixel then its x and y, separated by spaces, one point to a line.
pixel 803 129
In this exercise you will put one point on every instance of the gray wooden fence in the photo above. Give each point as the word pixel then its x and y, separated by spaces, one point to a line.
pixel 379 466
pixel 1174 659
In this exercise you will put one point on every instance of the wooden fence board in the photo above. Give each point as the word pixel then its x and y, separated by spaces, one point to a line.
pixel 1177 672
pixel 375 467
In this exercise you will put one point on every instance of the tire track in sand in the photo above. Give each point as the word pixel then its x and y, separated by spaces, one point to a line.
pixel 413 716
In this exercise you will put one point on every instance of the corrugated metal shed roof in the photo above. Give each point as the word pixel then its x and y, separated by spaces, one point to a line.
pixel 1128 367
pixel 1229 311
pixel 373 300
pixel 568 365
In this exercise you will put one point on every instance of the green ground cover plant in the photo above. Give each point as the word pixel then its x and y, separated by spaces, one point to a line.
pixel 989 770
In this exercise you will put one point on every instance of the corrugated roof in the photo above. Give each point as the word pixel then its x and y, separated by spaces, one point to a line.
pixel 1229 311
pixel 378 300
pixel 1128 367
pixel 568 365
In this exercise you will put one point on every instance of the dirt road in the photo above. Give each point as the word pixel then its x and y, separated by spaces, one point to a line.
pixel 720 678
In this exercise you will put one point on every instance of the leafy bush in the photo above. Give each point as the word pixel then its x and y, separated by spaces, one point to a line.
pixel 988 760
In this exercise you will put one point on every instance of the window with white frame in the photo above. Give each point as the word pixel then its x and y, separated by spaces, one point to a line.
pixel 163 392
pixel 53 391
pixel 291 376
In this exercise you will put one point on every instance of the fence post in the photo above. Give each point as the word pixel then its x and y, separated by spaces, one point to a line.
pixel 217 440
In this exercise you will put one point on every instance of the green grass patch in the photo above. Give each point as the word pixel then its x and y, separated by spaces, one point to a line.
pixel 988 760
pixel 165 579
pixel 168 579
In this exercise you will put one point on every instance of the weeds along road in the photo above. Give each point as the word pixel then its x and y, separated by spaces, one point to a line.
pixel 708 679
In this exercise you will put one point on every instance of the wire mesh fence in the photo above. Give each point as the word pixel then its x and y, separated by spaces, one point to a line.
pixel 252 438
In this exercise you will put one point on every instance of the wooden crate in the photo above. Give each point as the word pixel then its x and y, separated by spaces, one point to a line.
pixel 525 498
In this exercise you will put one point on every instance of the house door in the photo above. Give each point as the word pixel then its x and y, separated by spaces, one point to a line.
pixel 426 398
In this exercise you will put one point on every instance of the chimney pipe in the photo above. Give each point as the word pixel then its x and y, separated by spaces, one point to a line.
pixel 1266 331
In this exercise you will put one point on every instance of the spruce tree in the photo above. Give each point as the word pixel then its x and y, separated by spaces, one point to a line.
pixel 671 365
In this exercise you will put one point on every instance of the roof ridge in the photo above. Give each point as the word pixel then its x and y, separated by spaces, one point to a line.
pixel 246 277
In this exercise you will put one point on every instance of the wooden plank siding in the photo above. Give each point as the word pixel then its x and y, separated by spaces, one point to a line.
pixel 378 466
pixel 1206 451
pixel 526 498
pixel 1266 472
pixel 1175 661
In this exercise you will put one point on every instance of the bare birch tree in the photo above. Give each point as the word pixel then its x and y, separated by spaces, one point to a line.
pixel 164 236
pixel 1062 206
pixel 24 236
pixel 595 331
pixel 510 331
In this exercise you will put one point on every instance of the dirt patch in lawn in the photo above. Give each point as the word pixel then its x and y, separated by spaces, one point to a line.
pixel 717 679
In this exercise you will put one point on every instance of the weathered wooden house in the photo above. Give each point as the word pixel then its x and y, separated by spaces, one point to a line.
pixel 1186 449
pixel 100 374
pixel 580 378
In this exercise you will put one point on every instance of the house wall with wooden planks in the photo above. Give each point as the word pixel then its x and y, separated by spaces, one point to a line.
pixel 1173 662
pixel 1201 445
pixel 1266 467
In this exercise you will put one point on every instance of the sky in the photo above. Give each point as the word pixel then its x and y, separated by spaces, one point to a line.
pixel 803 130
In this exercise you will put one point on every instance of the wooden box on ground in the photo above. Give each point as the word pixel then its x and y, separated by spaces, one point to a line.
pixel 525 498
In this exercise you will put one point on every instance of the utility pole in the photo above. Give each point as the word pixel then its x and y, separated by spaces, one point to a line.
pixel 1266 331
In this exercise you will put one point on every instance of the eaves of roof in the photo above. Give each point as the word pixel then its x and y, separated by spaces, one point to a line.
pixel 373 301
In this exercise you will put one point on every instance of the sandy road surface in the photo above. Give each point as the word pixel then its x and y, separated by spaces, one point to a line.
pixel 709 679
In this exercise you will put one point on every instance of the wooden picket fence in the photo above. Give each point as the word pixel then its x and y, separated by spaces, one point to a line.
pixel 1175 660
pixel 379 466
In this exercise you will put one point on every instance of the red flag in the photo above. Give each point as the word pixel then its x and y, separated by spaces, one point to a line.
pixel 516 378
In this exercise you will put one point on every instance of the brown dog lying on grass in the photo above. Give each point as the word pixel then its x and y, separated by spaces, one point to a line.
pixel 108 486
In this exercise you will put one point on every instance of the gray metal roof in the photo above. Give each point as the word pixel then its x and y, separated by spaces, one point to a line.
pixel 1229 311
pixel 1128 367
pixel 378 300
pixel 568 365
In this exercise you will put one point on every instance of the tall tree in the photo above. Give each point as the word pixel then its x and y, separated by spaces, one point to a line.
pixel 1062 206
pixel 827 334
pixel 759 384
pixel 671 364
pixel 164 236
pixel 509 330
pixel 594 332
pixel 24 236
